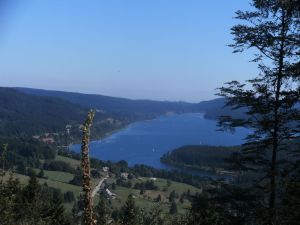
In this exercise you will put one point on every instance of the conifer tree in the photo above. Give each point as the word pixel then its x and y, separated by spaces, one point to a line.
pixel 130 213
pixel 173 208
pixel 272 28
pixel 101 212
pixel 3 159
pixel 8 199
pixel 154 217
pixel 56 211
pixel 206 210
pixel 158 198
pixel 32 196
pixel 172 196
pixel 75 213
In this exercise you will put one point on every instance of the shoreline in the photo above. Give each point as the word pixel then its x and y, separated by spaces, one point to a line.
pixel 199 171
pixel 110 133
pixel 209 172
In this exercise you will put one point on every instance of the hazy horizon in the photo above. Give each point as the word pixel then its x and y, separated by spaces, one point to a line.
pixel 171 50
pixel 80 92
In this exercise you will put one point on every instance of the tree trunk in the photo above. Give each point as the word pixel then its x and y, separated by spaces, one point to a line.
pixel 276 120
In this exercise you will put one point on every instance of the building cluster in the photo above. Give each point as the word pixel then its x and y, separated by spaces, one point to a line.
pixel 48 138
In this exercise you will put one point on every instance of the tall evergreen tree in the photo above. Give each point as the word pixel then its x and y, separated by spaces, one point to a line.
pixel 130 212
pixel 8 199
pixel 173 208
pixel 172 196
pixel 154 216
pixel 76 209
pixel 204 212
pixel 32 201
pixel 4 153
pixel 101 212
pixel 270 99
pixel 53 210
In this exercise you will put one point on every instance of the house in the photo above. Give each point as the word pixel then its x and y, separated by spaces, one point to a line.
pixel 100 111
pixel 225 172
pixel 108 194
pixel 124 176
pixel 110 120
pixel 48 140
pixel 105 169
pixel 68 128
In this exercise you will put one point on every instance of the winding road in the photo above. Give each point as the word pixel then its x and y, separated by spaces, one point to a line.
pixel 97 188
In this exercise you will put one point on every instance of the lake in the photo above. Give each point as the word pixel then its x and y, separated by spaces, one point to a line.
pixel 145 142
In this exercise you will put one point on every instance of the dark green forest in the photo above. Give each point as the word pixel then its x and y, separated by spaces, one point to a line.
pixel 139 108
pixel 119 106
pixel 200 156
pixel 24 115
pixel 27 112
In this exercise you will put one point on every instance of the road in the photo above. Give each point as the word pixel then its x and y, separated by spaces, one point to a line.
pixel 97 188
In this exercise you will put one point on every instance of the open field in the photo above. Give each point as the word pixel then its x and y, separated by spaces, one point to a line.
pixel 147 200
pixel 72 162
pixel 51 183
pixel 58 176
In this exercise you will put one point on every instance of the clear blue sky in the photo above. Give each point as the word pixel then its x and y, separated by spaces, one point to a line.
pixel 140 49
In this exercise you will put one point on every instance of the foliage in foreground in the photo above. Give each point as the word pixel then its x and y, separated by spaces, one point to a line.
pixel 36 204
pixel 271 101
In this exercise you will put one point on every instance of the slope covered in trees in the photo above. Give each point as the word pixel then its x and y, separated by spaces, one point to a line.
pixel 28 114
pixel 141 109
pixel 25 115
pixel 217 107
pixel 32 111
pixel 199 156
pixel 117 105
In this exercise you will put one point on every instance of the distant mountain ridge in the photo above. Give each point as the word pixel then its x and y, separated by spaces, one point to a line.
pixel 122 106
pixel 30 111
pixel 24 113
pixel 116 104
pixel 215 108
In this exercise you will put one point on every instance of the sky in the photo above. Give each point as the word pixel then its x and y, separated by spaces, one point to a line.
pixel 140 49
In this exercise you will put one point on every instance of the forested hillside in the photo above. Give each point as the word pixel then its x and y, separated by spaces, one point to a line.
pixel 199 156
pixel 23 114
pixel 28 114
pixel 32 111
pixel 121 106
pixel 217 107
pixel 140 108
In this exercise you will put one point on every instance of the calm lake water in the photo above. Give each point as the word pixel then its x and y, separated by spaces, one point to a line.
pixel 145 142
